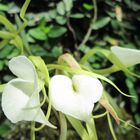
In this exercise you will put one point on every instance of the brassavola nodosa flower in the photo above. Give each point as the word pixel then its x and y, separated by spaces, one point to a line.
pixel 20 98
pixel 76 96
pixel 128 57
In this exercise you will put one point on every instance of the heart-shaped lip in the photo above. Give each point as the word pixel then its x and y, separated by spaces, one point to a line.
pixel 77 102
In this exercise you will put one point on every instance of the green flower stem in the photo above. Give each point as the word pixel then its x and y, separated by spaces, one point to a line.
pixel 22 15
pixel 48 112
pixel 111 127
pixel 42 103
pixel 100 116
pixel 92 52
pixel 23 35
pixel 77 125
pixel 32 131
pixel 92 129
pixel 63 127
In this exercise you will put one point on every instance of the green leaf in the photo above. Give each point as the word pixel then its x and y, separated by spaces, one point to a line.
pixel 77 16
pixel 13 9
pixel 101 23
pixel 57 51
pixel 3 7
pixel 130 84
pixel 57 31
pixel 4 128
pixel 61 20
pixel 52 14
pixel 88 6
pixel 61 8
pixel 37 33
pixel 68 5
pixel 6 51
pixel 1 67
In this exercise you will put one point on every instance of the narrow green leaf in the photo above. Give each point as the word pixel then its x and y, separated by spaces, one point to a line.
pixel 130 84
pixel 7 23
pixel 6 35
pixel 3 7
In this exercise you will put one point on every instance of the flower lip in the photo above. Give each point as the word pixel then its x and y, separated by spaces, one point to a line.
pixel 79 103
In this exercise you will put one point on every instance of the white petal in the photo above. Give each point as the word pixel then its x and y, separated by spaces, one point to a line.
pixel 89 87
pixel 15 99
pixel 128 57
pixel 23 68
pixel 77 104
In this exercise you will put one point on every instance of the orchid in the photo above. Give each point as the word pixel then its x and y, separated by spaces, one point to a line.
pixel 76 96
pixel 128 57
pixel 20 98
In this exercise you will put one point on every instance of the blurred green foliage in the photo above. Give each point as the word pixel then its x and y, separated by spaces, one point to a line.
pixel 59 26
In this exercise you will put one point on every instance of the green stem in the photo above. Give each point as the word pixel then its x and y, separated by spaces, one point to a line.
pixel 22 15
pixel 91 24
pixel 77 125
pixel 100 115
pixel 111 127
pixel 92 129
pixel 32 131
pixel 23 35
pixel 63 127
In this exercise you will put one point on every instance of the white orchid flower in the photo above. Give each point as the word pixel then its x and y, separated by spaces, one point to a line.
pixel 20 98
pixel 128 57
pixel 76 96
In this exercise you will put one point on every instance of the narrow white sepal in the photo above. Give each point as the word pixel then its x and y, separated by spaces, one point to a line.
pixel 128 57
pixel 78 104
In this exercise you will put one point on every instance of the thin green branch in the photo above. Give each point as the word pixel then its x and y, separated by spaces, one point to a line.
pixel 86 37
pixel 22 15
